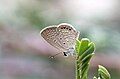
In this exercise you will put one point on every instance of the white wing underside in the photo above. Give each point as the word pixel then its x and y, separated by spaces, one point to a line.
pixel 60 37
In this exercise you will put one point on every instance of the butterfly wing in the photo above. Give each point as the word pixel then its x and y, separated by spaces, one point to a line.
pixel 62 36
pixel 50 34
pixel 67 35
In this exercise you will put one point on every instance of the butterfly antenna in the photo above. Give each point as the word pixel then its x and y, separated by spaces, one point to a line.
pixel 55 55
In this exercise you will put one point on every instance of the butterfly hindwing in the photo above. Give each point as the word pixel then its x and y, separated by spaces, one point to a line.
pixel 68 35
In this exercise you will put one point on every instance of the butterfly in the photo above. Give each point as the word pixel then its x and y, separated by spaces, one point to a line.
pixel 62 36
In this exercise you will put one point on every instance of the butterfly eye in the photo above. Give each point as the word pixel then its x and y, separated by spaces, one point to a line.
pixel 69 29
pixel 60 38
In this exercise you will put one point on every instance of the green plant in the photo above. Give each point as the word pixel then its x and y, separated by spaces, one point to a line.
pixel 84 52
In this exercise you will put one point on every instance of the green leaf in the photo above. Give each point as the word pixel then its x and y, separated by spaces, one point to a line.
pixel 77 46
pixel 84 71
pixel 103 73
pixel 84 52
pixel 87 58
pixel 83 45
pixel 88 51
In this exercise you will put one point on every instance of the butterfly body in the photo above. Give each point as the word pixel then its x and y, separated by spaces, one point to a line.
pixel 62 36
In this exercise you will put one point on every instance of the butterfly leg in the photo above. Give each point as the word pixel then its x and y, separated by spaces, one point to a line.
pixel 55 55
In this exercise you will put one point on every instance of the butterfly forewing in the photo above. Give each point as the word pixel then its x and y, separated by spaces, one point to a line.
pixel 50 34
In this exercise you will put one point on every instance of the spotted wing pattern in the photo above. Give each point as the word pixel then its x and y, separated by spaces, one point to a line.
pixel 62 36
pixel 67 35
pixel 50 34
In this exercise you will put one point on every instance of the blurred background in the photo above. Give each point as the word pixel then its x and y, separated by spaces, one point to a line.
pixel 24 54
